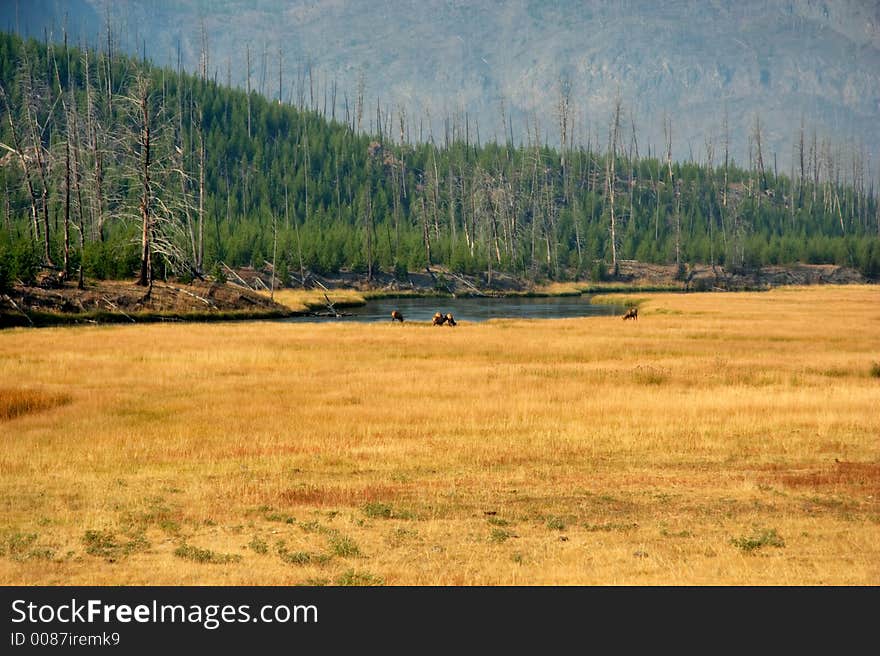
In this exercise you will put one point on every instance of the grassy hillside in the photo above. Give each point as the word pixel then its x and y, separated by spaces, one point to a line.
pixel 684 59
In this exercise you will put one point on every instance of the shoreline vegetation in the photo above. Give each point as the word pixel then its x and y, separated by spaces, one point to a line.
pixel 251 298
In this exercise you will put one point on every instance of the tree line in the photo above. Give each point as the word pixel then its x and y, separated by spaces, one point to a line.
pixel 114 168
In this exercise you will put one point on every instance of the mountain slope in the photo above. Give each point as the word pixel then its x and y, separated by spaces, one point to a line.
pixel 687 59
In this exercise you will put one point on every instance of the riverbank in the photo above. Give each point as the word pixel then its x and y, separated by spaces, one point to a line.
pixel 124 302
pixel 247 295
pixel 631 276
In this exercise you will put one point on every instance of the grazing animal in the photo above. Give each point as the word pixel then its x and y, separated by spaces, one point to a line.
pixel 450 320
pixel 396 316
pixel 632 313
pixel 439 319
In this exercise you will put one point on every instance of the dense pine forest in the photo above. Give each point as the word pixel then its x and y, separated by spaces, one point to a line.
pixel 114 168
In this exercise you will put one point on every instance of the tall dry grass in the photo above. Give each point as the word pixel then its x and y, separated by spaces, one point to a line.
pixel 719 439
pixel 305 300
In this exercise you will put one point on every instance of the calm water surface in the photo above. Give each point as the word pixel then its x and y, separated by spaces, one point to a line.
pixel 475 309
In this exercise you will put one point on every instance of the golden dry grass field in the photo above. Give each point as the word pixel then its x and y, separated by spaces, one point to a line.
pixel 727 438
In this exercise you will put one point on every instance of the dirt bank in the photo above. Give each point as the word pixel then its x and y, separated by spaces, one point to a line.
pixel 122 301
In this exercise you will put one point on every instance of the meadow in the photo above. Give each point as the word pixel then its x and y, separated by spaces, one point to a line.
pixel 723 439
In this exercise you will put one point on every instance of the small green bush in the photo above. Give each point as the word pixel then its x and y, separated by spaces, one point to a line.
pixel 344 547
pixel 555 523
pixel 377 509
pixel 22 546
pixel 189 552
pixel 499 535
pixel 758 539
pixel 353 578
pixel 218 274
pixel 19 260
pixel 7 274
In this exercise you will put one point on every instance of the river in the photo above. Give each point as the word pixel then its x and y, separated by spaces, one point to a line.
pixel 475 309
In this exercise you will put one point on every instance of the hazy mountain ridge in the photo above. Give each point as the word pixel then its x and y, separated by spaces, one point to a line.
pixel 688 59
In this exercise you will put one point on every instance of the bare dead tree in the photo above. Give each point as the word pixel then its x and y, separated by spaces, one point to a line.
pixel 24 160
pixel 801 154
pixel 359 102
pixel 762 174
pixel 74 136
pixel 95 139
pixel 150 164
pixel 146 275
pixel 203 52
pixel 35 98
pixel 611 176
pixel 264 65
pixel 280 75
pixel 65 270
pixel 248 77
pixel 710 167
pixel 200 252
pixel 673 185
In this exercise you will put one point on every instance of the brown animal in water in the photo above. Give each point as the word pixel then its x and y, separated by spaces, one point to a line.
pixel 438 320
pixel 396 316
pixel 450 320
pixel 632 313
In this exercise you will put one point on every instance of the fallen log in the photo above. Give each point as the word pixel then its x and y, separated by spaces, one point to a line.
pixel 115 307
pixel 201 298
pixel 13 303
pixel 238 277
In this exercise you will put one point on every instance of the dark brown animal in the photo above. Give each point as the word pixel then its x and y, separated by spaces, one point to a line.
pixel 450 320
pixel 439 319
pixel 396 316
pixel 632 313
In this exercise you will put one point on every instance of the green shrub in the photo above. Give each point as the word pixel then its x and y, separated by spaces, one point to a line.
pixel 19 260
pixel 7 275
pixel 599 272
pixel 353 578
pixel 111 260
pixel 344 547
pixel 378 510
pixel 259 545
pixel 499 535
pixel 218 274
pixel 556 523
pixel 189 552
pixel 758 539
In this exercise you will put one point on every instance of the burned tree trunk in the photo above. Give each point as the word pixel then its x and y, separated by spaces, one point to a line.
pixel 146 275
pixel 610 177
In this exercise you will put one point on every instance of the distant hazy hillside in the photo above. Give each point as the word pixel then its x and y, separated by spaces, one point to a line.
pixel 689 59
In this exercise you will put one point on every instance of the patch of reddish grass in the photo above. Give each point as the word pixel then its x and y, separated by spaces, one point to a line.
pixel 863 476
pixel 17 402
